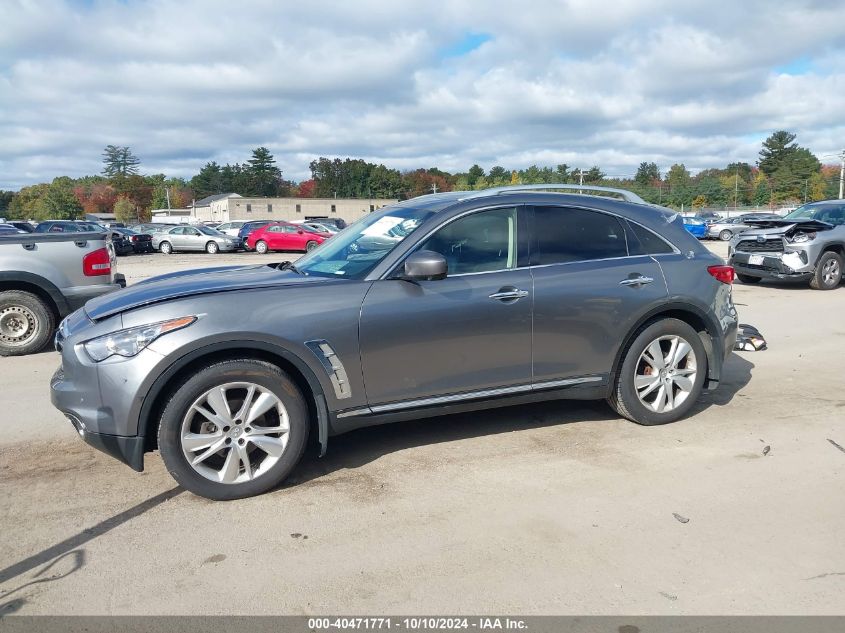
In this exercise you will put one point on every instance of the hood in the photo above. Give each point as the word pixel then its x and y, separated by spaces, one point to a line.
pixel 188 283
pixel 784 227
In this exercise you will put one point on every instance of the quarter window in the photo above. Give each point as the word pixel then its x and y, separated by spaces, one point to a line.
pixel 644 242
pixel 572 235
pixel 481 242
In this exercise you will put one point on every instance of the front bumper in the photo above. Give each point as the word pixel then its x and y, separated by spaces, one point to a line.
pixel 790 265
pixel 68 399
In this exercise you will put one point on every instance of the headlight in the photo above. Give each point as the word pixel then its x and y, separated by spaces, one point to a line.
pixel 129 342
pixel 801 237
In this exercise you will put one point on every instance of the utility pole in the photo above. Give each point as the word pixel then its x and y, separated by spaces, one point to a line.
pixel 841 173
pixel 434 187
pixel 581 179
pixel 736 186
pixel 167 193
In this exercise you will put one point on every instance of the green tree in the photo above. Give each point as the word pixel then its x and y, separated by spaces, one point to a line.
pixel 647 173
pixel 28 204
pixel 59 202
pixel 124 210
pixel 678 179
pixel 475 172
pixel 499 175
pixel 209 181
pixel 5 200
pixel 775 150
pixel 119 161
pixel 762 192
pixel 265 179
pixel 593 175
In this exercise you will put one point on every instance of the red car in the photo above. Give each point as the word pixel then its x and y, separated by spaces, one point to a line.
pixel 281 236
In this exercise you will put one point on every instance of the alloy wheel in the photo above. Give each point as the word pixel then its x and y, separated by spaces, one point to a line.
pixel 235 432
pixel 831 273
pixel 665 373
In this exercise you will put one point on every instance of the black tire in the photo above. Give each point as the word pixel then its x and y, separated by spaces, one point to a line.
pixel 310 246
pixel 725 235
pixel 165 247
pixel 261 247
pixel 748 279
pixel 624 399
pixel 828 273
pixel 260 373
pixel 212 248
pixel 26 313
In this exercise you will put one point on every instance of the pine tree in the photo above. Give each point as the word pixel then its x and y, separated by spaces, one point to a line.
pixel 119 161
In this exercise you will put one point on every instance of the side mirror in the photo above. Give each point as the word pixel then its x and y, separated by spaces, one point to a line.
pixel 426 266
pixel 300 231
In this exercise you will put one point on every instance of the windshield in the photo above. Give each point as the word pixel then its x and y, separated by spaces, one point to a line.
pixel 208 231
pixel 830 213
pixel 355 251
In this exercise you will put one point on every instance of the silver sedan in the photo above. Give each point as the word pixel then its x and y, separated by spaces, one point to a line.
pixel 194 238
pixel 726 229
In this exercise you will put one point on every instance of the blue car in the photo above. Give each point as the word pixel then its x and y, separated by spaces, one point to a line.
pixel 696 226
pixel 248 228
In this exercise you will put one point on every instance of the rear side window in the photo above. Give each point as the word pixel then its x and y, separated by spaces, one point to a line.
pixel 572 235
pixel 644 242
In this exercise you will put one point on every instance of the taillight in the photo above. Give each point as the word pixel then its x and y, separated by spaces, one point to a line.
pixel 134 238
pixel 725 274
pixel 97 263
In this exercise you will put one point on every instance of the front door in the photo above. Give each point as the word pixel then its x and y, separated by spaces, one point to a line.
pixel 470 332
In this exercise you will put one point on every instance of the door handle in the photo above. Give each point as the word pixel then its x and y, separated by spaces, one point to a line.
pixel 509 294
pixel 636 281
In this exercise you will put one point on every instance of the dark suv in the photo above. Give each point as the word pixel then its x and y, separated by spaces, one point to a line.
pixel 438 304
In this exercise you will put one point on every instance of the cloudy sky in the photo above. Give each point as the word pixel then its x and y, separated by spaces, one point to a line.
pixel 414 84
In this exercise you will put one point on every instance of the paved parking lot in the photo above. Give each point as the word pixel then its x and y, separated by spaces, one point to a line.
pixel 552 508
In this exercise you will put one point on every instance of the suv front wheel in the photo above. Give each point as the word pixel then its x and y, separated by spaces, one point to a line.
pixel 828 273
pixel 661 375
pixel 234 429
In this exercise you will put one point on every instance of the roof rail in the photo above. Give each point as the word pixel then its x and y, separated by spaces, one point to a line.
pixel 626 195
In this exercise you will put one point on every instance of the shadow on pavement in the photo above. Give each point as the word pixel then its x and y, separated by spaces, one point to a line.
pixel 70 545
pixel 363 446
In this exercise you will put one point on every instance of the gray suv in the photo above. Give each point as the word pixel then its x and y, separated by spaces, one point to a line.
pixel 807 245
pixel 443 303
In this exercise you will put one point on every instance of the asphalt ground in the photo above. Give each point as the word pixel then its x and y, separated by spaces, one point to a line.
pixel 555 508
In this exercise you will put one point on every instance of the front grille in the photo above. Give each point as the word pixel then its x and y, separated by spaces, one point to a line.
pixel 768 246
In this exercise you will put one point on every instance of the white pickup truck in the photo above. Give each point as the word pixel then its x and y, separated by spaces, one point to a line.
pixel 46 276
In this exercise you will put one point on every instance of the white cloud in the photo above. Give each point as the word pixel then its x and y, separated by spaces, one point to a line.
pixel 578 81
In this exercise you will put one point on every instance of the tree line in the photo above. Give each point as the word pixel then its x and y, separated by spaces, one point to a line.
pixel 784 173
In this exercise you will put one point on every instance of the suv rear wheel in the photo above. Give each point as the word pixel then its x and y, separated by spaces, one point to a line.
pixel 828 273
pixel 234 429
pixel 662 373
pixel 26 323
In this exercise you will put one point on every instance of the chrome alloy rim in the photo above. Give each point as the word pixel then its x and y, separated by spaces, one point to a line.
pixel 665 373
pixel 17 325
pixel 235 432
pixel 830 272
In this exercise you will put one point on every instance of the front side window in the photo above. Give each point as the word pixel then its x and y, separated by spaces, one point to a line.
pixel 477 243
pixel 572 235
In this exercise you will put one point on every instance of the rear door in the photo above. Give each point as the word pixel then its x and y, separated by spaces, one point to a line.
pixel 591 284
pixel 458 336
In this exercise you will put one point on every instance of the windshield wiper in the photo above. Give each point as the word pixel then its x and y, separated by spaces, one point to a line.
pixel 289 266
